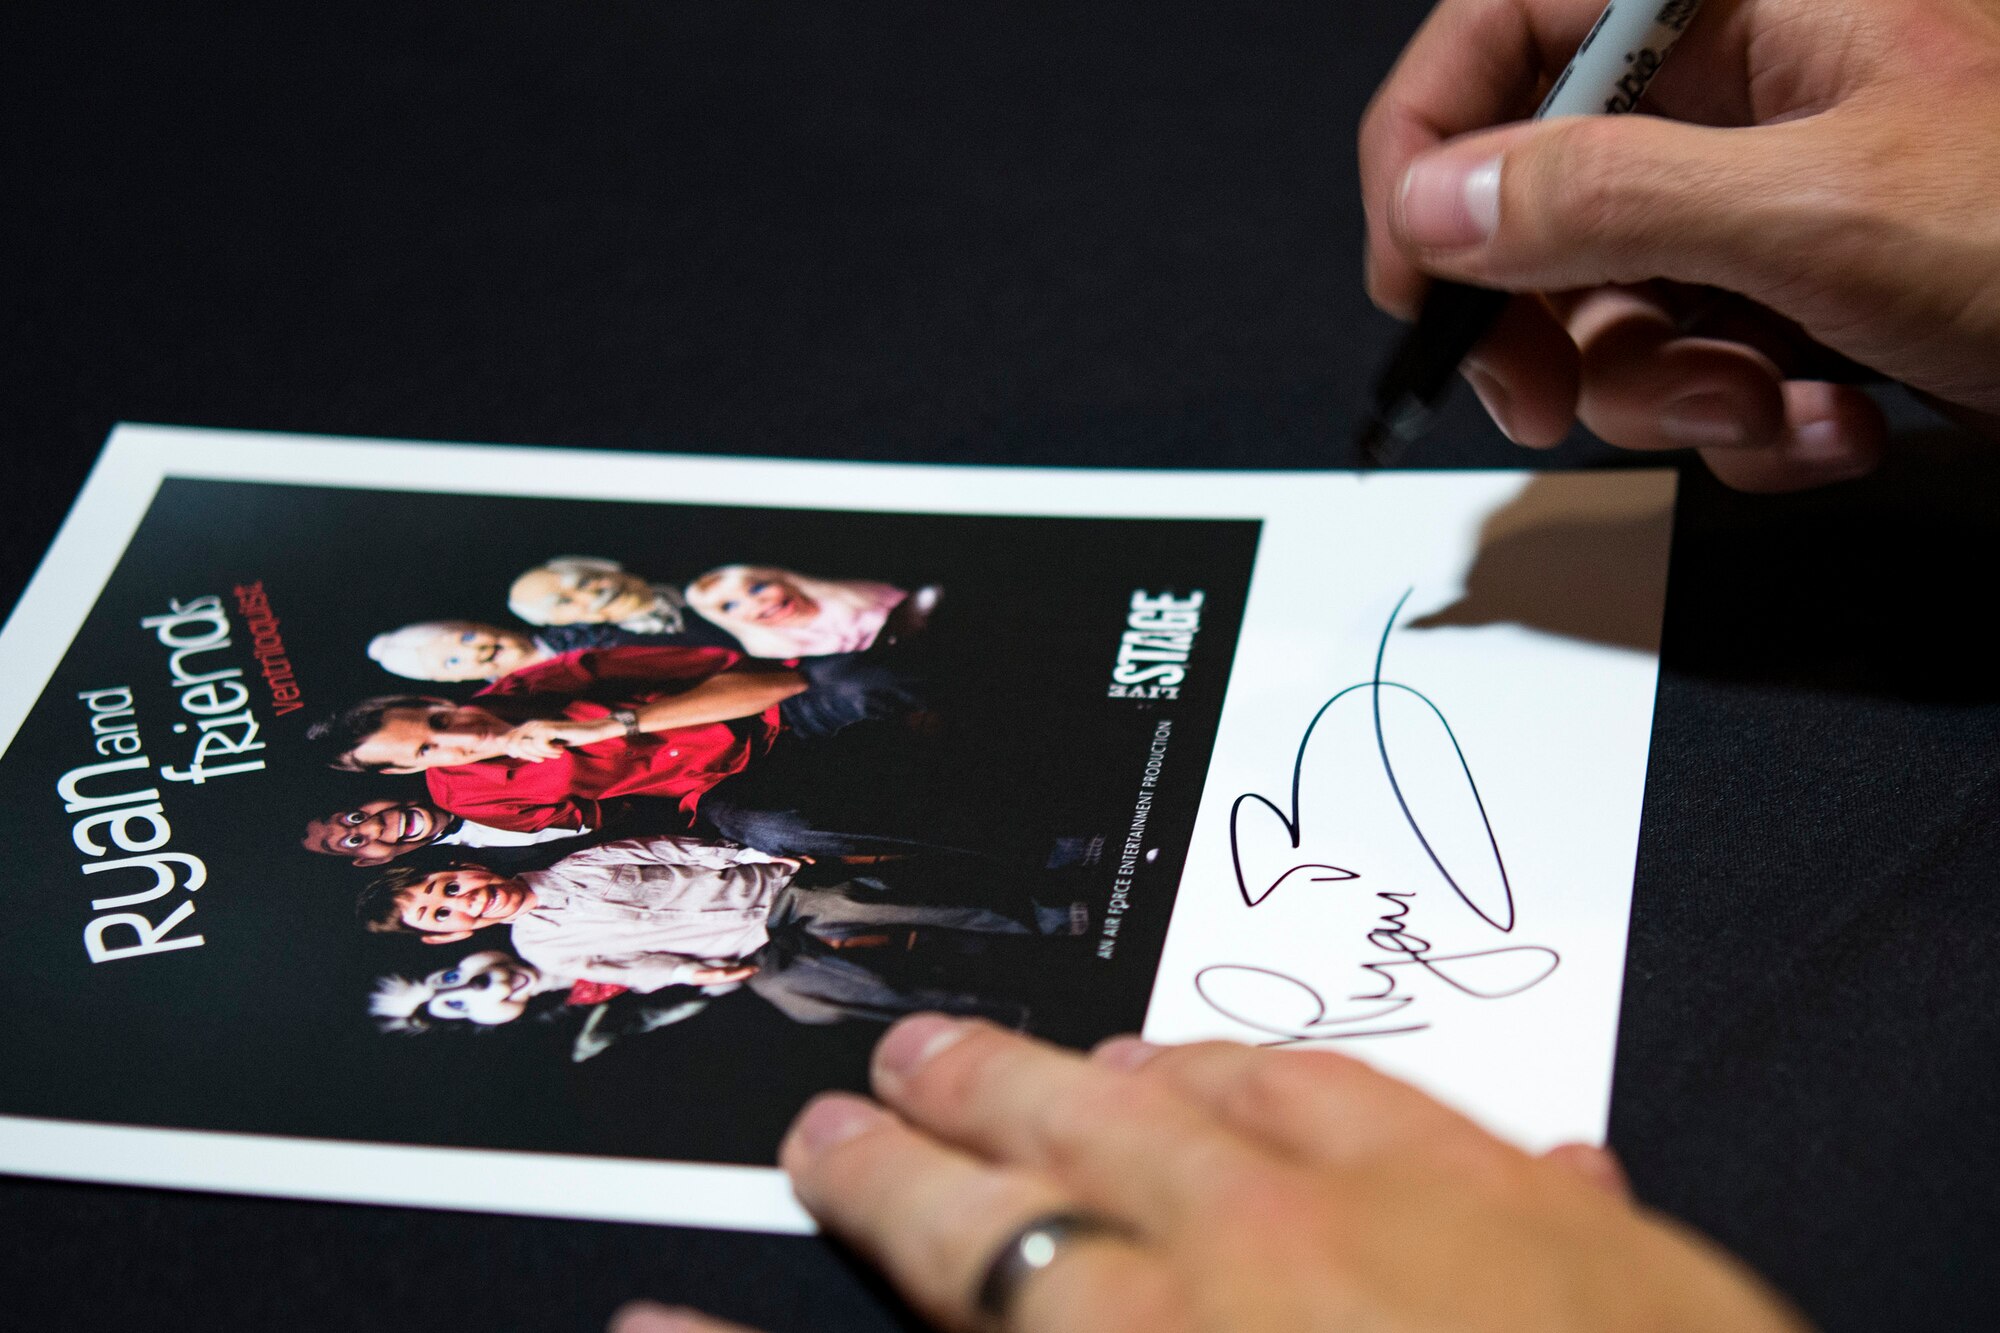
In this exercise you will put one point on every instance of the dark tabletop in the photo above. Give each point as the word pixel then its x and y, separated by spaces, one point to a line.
pixel 1069 234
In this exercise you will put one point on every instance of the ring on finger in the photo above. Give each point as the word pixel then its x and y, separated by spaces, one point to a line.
pixel 1030 1248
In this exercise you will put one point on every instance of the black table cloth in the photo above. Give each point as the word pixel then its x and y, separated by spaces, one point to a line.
pixel 1086 234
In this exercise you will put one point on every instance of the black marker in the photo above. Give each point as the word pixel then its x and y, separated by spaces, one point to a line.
pixel 1607 77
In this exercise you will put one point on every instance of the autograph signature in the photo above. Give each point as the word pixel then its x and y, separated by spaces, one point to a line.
pixel 1290 1010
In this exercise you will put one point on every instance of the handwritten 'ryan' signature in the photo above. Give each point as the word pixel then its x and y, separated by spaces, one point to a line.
pixel 1292 1011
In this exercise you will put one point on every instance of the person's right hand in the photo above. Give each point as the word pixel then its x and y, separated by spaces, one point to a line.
pixel 1830 180
pixel 537 741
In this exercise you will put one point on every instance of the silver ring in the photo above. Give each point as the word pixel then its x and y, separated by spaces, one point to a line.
pixel 1032 1247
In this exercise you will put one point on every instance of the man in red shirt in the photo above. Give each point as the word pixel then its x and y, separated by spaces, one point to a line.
pixel 574 741
pixel 571 739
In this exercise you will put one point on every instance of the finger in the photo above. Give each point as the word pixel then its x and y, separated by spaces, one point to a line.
pixel 648 1317
pixel 933 1218
pixel 1526 375
pixel 1833 433
pixel 1647 386
pixel 1131 1147
pixel 1594 200
pixel 1595 1165
pixel 1473 63
pixel 1707 312
pixel 1314 1106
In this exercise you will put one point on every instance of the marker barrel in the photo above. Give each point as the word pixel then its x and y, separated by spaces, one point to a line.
pixel 1613 67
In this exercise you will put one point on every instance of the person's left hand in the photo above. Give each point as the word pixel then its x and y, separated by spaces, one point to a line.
pixel 1251 1189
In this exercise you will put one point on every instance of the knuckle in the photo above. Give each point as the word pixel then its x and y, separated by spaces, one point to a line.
pixel 1066 1126
pixel 1271 1091
pixel 1368 136
pixel 1290 1078
pixel 1279 1090
pixel 1381 132
pixel 1237 1193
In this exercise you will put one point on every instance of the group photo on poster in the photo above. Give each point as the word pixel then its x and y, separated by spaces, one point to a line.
pixel 601 827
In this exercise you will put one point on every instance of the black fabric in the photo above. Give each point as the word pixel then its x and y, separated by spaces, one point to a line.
pixel 1082 233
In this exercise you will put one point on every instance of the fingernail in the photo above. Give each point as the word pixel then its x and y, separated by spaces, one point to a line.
pixel 1704 421
pixel 646 1317
pixel 1830 449
pixel 1493 395
pixel 912 1043
pixel 1447 204
pixel 831 1120
pixel 1820 442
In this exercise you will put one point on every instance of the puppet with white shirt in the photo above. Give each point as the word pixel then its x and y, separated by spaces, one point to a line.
pixel 490 989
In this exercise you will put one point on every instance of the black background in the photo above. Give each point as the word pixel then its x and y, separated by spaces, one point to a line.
pixel 1024 748
pixel 1087 233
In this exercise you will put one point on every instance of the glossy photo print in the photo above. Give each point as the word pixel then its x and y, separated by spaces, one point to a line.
pixel 499 828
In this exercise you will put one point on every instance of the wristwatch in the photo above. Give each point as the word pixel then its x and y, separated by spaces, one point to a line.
pixel 627 719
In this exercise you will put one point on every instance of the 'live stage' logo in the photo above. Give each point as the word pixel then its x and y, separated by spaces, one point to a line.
pixel 1153 652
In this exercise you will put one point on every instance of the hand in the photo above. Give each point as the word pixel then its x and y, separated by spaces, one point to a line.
pixel 1828 182
pixel 716 976
pixel 545 740
pixel 1268 1190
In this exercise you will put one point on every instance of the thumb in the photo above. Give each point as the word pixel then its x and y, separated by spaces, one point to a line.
pixel 1585 201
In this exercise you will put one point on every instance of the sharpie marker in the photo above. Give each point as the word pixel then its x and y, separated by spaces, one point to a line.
pixel 1608 76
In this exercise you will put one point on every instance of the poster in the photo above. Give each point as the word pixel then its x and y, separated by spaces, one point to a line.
pixel 534 831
